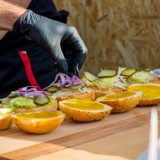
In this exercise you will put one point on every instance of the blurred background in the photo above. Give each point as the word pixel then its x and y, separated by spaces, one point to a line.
pixel 123 33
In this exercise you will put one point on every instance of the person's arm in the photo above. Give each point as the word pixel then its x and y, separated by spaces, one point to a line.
pixel 49 34
pixel 23 3
pixel 9 14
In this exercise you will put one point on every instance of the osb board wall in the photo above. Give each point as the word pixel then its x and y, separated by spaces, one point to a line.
pixel 122 33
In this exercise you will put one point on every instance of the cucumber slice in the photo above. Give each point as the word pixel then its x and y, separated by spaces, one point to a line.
pixel 140 77
pixel 128 72
pixel 9 106
pixel 107 73
pixel 147 70
pixel 90 76
pixel 42 101
pixel 65 90
pixel 5 110
pixel 126 84
pixel 103 82
pixel 23 102
pixel 124 77
pixel 13 95
pixel 120 70
pixel 53 89
pixel 76 87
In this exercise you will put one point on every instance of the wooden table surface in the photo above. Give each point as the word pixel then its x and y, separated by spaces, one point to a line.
pixel 117 137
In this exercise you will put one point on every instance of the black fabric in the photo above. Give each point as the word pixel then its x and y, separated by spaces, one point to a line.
pixel 12 70
pixel 64 14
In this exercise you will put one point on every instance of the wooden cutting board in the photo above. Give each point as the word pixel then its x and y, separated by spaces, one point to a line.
pixel 119 137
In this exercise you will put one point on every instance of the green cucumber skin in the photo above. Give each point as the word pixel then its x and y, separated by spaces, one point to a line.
pixel 23 99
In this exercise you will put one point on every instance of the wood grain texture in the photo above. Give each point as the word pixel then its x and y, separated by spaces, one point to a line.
pixel 74 154
pixel 82 136
pixel 116 145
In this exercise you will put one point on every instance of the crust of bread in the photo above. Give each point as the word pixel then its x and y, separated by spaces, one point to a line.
pixel 144 101
pixel 39 126
pixel 155 80
pixel 85 115
pixel 148 102
pixel 102 92
pixel 78 95
pixel 5 121
pixel 122 105
pixel 46 108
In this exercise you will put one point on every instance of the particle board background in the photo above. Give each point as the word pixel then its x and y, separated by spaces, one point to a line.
pixel 123 33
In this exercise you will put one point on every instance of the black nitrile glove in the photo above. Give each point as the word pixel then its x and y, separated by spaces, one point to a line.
pixel 52 36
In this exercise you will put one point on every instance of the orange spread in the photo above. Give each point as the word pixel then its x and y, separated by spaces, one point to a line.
pixel 84 105
pixel 149 91
pixel 39 115
pixel 120 95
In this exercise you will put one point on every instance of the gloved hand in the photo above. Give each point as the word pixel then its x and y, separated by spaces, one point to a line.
pixel 51 36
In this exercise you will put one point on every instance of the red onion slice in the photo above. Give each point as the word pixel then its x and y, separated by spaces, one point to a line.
pixel 30 92
pixel 65 81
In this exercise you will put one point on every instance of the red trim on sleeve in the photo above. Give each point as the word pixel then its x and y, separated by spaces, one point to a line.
pixel 28 69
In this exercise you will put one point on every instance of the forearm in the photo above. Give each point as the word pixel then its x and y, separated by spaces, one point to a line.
pixel 22 3
pixel 9 13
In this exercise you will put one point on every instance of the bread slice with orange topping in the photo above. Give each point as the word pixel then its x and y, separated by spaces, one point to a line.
pixel 84 110
pixel 38 123
pixel 5 119
pixel 151 93
pixel 121 102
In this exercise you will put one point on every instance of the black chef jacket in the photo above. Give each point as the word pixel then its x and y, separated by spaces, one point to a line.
pixel 12 69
